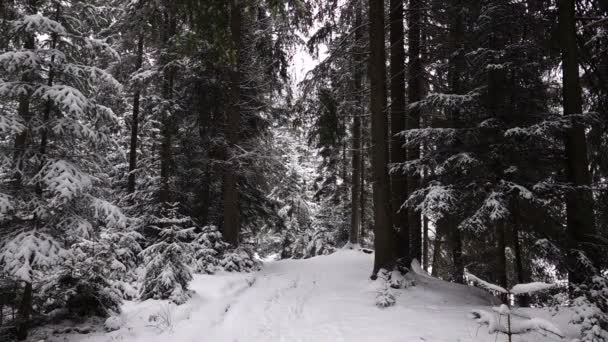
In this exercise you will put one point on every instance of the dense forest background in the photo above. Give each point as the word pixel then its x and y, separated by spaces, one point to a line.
pixel 144 140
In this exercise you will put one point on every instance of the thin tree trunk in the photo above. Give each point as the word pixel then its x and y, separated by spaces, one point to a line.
pixel 414 89
pixel 425 243
pixel 501 259
pixel 383 227
pixel 166 148
pixel 24 112
pixel 457 65
pixel 579 202
pixel 397 112
pixel 439 232
pixel 135 119
pixel 232 223
pixel 355 219
pixel 457 258
pixel 363 197
pixel 24 312
pixel 523 300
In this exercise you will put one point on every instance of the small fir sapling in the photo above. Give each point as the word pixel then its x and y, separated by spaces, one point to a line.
pixel 167 273
pixel 590 306
pixel 515 324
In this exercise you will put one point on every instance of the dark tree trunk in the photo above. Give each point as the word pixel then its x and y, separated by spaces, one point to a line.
pixel 397 112
pixel 166 148
pixel 383 228
pixel 457 258
pixel 523 300
pixel 425 243
pixel 439 232
pixel 135 118
pixel 363 197
pixel 24 113
pixel 501 259
pixel 414 89
pixel 457 66
pixel 231 227
pixel 48 106
pixel 24 313
pixel 579 202
pixel 355 220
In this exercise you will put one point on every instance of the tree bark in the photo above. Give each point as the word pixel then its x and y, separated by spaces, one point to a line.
pixel 457 258
pixel 439 232
pixel 383 227
pixel 355 219
pixel 456 69
pixel 397 113
pixel 579 202
pixel 166 148
pixel 425 243
pixel 24 112
pixel 415 82
pixel 135 118
pixel 523 300
pixel 363 197
pixel 24 313
pixel 232 223
pixel 501 259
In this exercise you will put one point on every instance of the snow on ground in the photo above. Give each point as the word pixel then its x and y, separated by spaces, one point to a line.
pixel 326 298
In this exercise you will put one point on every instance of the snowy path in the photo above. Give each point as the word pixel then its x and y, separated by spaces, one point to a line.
pixel 328 298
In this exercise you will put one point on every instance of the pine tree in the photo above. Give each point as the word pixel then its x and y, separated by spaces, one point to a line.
pixel 56 91
pixel 383 228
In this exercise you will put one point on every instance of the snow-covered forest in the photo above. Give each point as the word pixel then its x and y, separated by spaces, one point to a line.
pixel 303 170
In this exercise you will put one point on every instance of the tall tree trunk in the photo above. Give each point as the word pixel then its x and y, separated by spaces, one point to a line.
pixel 363 196
pixel 166 148
pixel 355 220
pixel 457 66
pixel 24 112
pixel 135 118
pixel 232 223
pixel 425 243
pixel 397 112
pixel 579 202
pixel 383 227
pixel 414 89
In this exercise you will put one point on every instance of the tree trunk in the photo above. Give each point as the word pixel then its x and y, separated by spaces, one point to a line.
pixel 456 245
pixel 363 197
pixel 383 227
pixel 355 219
pixel 457 66
pixel 24 313
pixel 425 243
pixel 439 232
pixel 579 202
pixel 166 148
pixel 414 90
pixel 501 259
pixel 135 118
pixel 24 112
pixel 397 112
pixel 232 223
pixel 523 300
pixel 48 106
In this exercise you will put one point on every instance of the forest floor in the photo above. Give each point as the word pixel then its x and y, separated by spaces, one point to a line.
pixel 326 298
